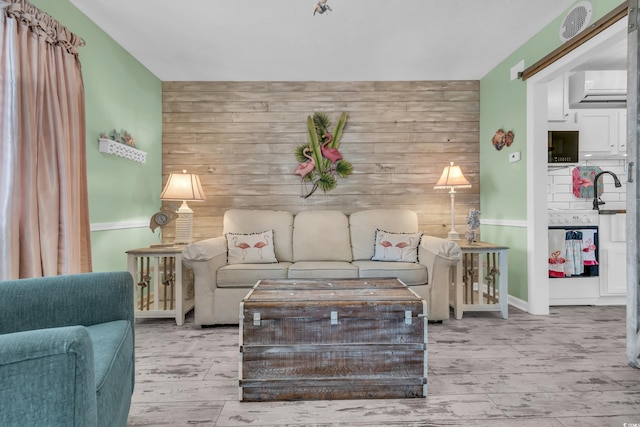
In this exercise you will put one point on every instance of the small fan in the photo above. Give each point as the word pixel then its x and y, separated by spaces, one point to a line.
pixel 577 19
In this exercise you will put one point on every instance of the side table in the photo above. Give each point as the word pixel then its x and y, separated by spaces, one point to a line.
pixel 481 267
pixel 164 287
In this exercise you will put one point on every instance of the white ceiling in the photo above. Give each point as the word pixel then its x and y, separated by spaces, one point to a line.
pixel 281 40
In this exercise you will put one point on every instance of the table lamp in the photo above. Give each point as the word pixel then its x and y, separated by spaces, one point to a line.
pixel 452 178
pixel 183 187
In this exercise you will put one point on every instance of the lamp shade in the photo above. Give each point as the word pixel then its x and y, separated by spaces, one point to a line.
pixel 452 177
pixel 183 186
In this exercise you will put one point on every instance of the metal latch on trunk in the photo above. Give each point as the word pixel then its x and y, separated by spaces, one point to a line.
pixel 334 317
pixel 407 317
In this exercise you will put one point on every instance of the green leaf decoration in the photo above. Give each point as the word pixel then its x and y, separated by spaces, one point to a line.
pixel 299 153
pixel 327 182
pixel 337 130
pixel 321 122
pixel 344 168
pixel 314 145
pixel 310 177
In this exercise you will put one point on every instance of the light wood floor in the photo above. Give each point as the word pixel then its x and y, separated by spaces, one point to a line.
pixel 566 369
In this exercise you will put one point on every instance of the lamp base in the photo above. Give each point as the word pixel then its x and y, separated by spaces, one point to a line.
pixel 184 225
pixel 453 235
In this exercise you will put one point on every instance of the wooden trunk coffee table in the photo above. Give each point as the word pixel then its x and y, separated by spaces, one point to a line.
pixel 332 339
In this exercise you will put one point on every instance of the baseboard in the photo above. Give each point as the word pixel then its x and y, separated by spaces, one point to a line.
pixel 518 303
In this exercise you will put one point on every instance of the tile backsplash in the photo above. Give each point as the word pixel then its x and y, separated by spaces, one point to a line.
pixel 560 186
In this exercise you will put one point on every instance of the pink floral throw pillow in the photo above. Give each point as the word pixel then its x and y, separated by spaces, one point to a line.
pixel 396 246
pixel 254 248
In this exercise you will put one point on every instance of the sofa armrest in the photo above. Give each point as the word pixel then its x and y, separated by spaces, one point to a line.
pixel 206 250
pixel 439 256
pixel 204 258
pixel 47 376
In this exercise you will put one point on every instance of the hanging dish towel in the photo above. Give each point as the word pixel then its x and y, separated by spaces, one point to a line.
pixel 556 250
pixel 573 265
pixel 589 247
pixel 583 177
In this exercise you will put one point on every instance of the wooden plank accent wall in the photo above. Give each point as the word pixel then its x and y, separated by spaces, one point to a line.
pixel 240 138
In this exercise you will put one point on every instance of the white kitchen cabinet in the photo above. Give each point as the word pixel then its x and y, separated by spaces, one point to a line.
pixel 601 133
pixel 558 99
pixel 613 259
pixel 616 271
pixel 598 130
pixel 622 131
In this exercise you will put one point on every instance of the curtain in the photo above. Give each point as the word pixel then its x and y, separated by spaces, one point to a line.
pixel 44 215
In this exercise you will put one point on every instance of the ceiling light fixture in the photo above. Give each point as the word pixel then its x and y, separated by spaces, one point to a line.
pixel 322 7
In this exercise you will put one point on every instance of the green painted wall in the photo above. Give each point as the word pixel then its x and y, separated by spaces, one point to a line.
pixel 503 185
pixel 120 93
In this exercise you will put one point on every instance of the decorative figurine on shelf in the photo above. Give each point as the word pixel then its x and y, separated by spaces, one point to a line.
pixel 473 221
pixel 122 137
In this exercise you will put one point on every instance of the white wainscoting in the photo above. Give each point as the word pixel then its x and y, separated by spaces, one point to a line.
pixel 504 222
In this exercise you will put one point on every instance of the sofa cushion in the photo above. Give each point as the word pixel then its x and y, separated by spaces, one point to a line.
pixel 247 275
pixel 410 273
pixel 323 270
pixel 252 248
pixel 396 246
pixel 363 226
pixel 321 236
pixel 113 356
pixel 256 221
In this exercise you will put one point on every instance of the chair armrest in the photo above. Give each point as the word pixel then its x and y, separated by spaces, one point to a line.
pixel 55 301
pixel 47 377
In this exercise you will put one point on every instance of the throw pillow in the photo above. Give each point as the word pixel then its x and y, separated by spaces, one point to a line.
pixel 396 246
pixel 254 248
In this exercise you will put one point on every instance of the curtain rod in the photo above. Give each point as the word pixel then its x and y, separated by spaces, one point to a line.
pixel 16 8
pixel 596 28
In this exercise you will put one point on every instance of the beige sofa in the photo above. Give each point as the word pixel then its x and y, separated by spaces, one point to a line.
pixel 316 244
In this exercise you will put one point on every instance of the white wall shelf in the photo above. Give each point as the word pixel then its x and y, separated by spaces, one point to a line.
pixel 121 150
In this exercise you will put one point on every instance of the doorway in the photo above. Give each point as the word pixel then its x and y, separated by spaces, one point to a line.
pixel 537 157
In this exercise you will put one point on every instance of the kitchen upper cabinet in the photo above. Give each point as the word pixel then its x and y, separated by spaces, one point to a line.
pixel 622 132
pixel 601 132
pixel 558 99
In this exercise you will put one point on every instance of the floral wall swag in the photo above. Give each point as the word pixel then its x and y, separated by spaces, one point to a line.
pixel 320 160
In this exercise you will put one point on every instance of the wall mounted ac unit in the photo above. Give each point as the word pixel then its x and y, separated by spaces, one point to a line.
pixel 598 89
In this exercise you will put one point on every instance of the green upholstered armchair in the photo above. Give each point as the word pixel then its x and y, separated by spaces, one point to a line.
pixel 67 350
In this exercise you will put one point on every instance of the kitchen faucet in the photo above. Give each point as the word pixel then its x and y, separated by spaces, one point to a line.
pixel 596 200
